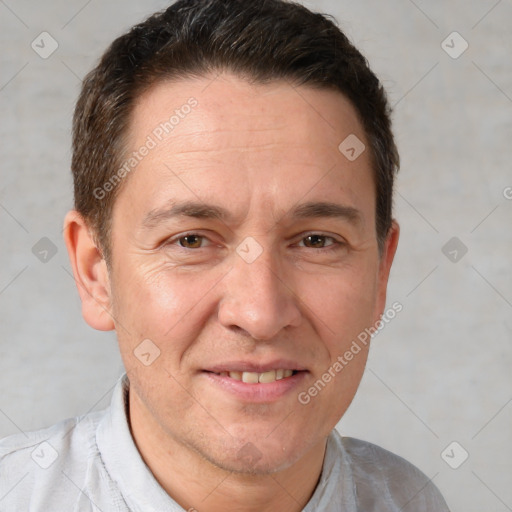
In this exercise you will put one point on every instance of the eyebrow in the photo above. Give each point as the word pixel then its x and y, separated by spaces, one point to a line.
pixel 200 210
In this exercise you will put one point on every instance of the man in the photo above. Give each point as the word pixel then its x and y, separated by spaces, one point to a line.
pixel 233 167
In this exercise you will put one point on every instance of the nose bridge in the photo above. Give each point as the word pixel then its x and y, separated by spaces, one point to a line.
pixel 257 297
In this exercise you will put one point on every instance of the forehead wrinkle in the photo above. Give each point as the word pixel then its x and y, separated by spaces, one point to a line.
pixel 243 148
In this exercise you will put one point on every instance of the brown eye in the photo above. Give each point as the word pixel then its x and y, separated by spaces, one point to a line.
pixel 191 241
pixel 316 241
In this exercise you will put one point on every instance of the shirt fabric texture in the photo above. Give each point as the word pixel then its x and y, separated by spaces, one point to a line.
pixel 90 463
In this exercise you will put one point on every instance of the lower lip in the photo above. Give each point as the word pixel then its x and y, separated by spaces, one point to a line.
pixel 257 393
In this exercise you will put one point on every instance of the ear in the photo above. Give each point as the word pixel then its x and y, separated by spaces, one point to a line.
pixel 386 259
pixel 90 272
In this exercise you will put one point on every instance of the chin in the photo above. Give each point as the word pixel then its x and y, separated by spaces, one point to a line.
pixel 249 460
pixel 255 455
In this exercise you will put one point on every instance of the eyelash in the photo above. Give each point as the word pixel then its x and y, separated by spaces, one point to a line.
pixel 336 245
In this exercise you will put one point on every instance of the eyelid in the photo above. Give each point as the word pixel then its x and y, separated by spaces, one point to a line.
pixel 337 243
pixel 176 238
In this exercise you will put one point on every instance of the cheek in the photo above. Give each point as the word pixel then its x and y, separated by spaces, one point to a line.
pixel 341 304
pixel 155 302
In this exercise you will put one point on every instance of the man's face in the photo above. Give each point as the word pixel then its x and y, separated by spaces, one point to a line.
pixel 263 288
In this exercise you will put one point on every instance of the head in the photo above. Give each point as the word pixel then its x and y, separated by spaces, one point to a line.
pixel 282 260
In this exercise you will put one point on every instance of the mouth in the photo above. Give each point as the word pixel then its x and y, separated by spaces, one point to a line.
pixel 251 383
pixel 266 377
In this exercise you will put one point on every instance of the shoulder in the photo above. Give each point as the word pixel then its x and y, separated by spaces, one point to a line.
pixel 33 465
pixel 383 480
pixel 372 460
pixel 60 440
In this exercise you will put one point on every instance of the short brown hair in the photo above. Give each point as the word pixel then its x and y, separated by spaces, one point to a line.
pixel 260 40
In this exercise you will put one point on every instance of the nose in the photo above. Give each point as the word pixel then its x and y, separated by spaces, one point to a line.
pixel 258 299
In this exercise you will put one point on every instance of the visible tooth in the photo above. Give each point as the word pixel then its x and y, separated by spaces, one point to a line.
pixel 267 376
pixel 254 377
pixel 250 377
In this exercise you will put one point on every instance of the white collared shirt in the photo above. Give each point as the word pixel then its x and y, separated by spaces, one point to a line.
pixel 91 464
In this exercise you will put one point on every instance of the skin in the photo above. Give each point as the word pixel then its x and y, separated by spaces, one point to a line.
pixel 258 151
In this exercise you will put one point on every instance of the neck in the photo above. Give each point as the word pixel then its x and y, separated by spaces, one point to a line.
pixel 198 485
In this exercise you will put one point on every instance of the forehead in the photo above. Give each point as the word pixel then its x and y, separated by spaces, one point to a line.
pixel 268 142
pixel 228 103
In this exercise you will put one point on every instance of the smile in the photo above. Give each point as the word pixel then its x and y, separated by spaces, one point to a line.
pixel 256 387
pixel 255 378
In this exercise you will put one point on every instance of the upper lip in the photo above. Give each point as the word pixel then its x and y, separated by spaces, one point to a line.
pixel 252 366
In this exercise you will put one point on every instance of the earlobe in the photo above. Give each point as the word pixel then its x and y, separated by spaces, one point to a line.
pixel 90 272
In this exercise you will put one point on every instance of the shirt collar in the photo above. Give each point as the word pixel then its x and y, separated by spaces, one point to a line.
pixel 123 461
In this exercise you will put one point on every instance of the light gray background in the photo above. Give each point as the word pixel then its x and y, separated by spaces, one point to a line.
pixel 440 372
